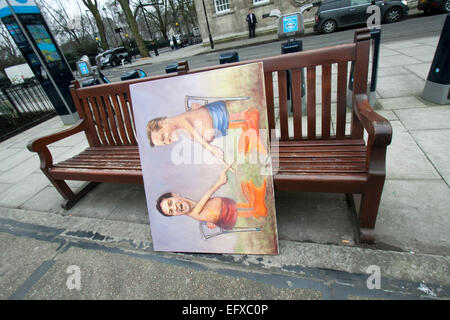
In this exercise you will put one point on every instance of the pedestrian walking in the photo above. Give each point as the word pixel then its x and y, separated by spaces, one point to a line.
pixel 251 20
pixel 175 43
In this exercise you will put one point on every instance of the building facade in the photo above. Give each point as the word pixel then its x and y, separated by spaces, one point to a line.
pixel 227 18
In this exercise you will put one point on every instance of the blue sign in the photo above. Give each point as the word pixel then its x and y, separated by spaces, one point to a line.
pixel 83 67
pixel 290 24
pixel 19 6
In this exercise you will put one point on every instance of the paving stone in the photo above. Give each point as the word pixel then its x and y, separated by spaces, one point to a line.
pixel 425 118
pixel 413 216
pixel 388 114
pixel 436 145
pixel 397 61
pixel 423 53
pixel 7 153
pixel 398 45
pixel 16 158
pixel 401 103
pixel 404 158
pixel 22 191
pixel 314 217
pixel 21 171
pixel 101 202
pixel 47 200
pixel 400 86
pixel 421 70
pixel 21 257
pixel 134 209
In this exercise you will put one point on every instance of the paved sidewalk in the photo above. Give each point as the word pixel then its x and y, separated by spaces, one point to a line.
pixel 108 236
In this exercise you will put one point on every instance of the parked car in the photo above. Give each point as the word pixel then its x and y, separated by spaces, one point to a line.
pixel 434 5
pixel 114 57
pixel 334 14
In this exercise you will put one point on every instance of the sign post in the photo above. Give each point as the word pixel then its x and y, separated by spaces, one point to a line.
pixel 30 32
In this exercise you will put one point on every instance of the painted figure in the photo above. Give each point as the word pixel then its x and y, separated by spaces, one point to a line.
pixel 217 211
pixel 205 123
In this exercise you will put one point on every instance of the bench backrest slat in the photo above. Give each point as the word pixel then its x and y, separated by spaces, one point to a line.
pixel 311 101
pixel 360 81
pixel 283 104
pixel 103 121
pixel 91 132
pixel 113 125
pixel 297 103
pixel 120 120
pixel 127 115
pixel 326 100
pixel 341 103
pixel 268 83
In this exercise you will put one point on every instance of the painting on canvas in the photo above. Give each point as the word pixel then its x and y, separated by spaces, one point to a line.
pixel 204 148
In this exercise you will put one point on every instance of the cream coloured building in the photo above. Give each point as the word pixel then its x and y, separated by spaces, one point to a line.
pixel 227 17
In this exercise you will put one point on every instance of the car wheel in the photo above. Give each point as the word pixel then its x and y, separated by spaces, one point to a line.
pixel 446 6
pixel 113 63
pixel 393 15
pixel 329 26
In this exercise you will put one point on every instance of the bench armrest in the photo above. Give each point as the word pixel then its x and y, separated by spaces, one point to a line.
pixel 38 144
pixel 378 128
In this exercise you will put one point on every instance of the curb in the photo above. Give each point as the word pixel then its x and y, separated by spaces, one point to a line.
pixel 295 258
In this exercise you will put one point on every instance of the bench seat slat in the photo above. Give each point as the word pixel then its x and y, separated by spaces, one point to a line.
pixel 318 142
pixel 321 182
pixel 320 154
pixel 104 166
pixel 97 175
pixel 322 170
pixel 104 158
pixel 299 161
pixel 122 162
pixel 322 149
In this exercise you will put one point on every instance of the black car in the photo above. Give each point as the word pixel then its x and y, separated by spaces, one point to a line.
pixel 114 57
pixel 434 5
pixel 333 14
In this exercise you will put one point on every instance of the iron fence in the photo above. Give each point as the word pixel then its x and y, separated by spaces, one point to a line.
pixel 22 106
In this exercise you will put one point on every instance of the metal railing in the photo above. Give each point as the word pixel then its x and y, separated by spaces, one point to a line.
pixel 22 106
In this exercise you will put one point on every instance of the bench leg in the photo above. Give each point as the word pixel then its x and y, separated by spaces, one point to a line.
pixel 80 194
pixel 368 211
pixel 70 198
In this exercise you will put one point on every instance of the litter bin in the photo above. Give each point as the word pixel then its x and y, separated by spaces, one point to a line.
pixel 172 68
pixel 133 74
pixel 229 57
pixel 292 46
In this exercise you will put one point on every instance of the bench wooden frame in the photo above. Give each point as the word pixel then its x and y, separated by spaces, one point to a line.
pixel 313 162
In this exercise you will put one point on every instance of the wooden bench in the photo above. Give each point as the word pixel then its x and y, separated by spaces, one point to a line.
pixel 325 160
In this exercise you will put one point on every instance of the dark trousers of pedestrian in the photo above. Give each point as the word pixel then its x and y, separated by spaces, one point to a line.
pixel 251 30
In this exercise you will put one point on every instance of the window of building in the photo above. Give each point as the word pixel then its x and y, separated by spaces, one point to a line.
pixel 222 6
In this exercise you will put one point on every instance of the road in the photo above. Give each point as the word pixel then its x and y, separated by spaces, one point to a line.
pixel 412 27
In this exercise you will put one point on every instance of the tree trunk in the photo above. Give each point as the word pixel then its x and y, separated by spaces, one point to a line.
pixel 101 29
pixel 93 7
pixel 125 4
